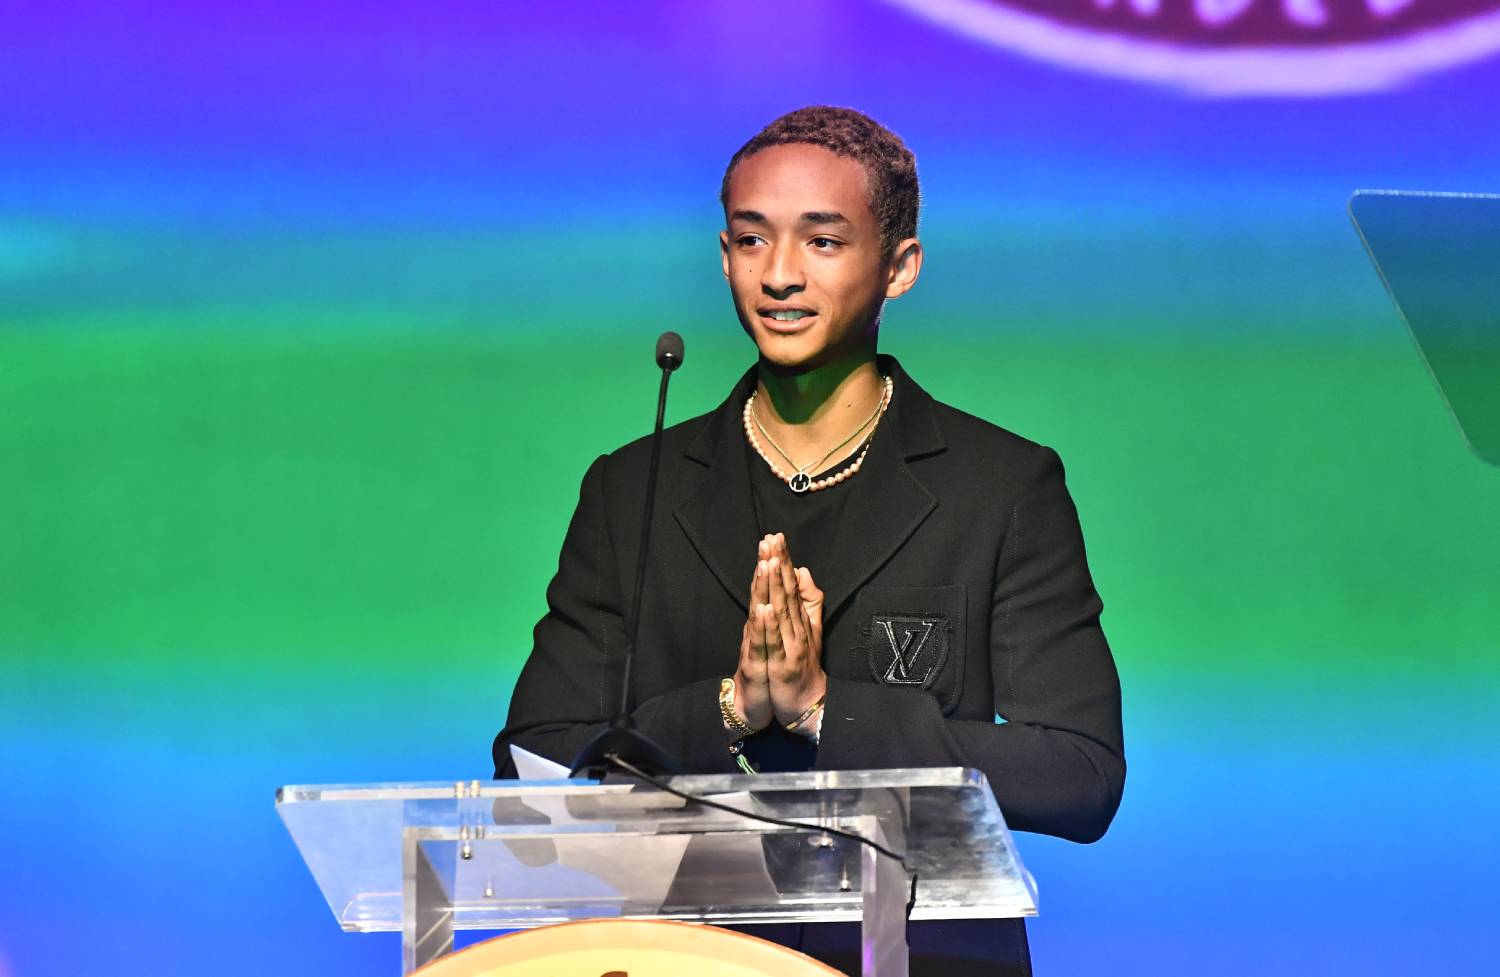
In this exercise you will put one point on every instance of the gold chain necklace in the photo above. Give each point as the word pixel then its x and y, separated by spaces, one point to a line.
pixel 800 481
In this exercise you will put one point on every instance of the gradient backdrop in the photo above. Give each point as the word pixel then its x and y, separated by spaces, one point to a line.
pixel 312 316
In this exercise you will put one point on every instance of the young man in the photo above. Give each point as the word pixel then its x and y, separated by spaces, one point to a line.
pixel 844 572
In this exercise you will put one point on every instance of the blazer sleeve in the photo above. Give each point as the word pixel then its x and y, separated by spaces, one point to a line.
pixel 1057 762
pixel 569 688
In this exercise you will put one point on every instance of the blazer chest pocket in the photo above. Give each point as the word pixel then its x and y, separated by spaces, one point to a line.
pixel 913 638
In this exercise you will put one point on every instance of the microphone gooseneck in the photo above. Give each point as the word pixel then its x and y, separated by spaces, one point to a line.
pixel 620 737
pixel 669 357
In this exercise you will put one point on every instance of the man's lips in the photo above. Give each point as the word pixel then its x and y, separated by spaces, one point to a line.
pixel 785 326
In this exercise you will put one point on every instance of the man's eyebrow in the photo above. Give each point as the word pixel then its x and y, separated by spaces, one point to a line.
pixel 811 217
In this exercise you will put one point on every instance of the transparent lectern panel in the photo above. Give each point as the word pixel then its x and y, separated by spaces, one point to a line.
pixel 1439 256
pixel 519 854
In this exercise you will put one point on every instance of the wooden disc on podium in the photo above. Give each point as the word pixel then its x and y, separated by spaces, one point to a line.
pixel 626 948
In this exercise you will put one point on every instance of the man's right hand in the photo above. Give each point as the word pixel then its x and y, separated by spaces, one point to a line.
pixel 752 681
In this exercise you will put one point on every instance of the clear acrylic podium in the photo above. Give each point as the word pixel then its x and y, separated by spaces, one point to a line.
pixel 1438 255
pixel 426 858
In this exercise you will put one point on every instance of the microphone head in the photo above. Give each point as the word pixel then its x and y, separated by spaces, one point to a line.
pixel 669 351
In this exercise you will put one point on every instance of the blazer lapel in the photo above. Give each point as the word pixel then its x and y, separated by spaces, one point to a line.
pixel 887 502
pixel 719 518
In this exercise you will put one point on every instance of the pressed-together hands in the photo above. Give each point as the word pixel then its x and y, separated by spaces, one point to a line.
pixel 780 675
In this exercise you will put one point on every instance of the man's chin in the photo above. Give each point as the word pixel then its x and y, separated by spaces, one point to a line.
pixel 804 352
pixel 790 359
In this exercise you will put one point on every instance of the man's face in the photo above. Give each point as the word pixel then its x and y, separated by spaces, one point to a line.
pixel 802 257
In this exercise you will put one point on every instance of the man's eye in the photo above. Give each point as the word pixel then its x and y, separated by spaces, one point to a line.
pixel 748 240
pixel 824 243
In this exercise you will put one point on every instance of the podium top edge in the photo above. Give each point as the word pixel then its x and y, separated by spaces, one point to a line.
pixel 424 790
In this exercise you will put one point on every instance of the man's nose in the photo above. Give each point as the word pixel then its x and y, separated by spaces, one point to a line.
pixel 783 273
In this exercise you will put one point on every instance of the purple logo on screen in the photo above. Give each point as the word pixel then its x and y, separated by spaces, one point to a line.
pixel 1236 47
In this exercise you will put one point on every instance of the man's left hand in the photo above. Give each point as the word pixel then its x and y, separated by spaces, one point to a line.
pixel 791 626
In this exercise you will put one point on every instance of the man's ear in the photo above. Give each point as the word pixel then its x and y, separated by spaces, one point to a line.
pixel 906 265
pixel 724 252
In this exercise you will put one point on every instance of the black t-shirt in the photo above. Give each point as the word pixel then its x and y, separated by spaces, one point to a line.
pixel 810 522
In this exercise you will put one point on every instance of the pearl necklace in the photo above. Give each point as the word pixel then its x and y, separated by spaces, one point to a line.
pixel 799 481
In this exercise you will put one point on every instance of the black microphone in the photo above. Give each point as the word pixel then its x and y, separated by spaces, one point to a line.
pixel 620 738
pixel 669 358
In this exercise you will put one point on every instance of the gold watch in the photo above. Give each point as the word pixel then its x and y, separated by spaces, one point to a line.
pixel 732 720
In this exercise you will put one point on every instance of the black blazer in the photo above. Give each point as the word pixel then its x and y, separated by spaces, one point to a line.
pixel 961 591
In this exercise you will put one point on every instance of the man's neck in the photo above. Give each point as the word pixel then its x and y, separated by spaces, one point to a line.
pixel 810 412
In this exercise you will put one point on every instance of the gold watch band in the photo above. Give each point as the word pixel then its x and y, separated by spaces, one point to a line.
pixel 732 720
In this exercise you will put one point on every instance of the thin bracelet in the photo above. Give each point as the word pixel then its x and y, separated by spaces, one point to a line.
pixel 791 727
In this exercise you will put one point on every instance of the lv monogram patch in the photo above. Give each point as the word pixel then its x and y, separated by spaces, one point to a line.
pixel 908 649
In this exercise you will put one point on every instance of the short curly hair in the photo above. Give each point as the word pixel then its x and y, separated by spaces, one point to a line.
pixel 890 167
